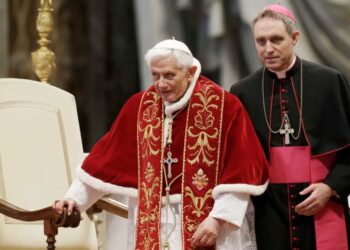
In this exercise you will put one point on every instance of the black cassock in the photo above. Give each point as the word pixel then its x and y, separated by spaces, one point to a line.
pixel 325 128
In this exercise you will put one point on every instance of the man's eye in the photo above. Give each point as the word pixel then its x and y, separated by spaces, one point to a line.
pixel 261 42
pixel 276 40
pixel 155 77
pixel 169 76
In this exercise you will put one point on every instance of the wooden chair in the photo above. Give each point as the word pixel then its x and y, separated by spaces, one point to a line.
pixel 40 148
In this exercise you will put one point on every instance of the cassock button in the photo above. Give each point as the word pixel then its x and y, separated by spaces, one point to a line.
pixel 295 238
pixel 294 216
pixel 284 90
pixel 284 101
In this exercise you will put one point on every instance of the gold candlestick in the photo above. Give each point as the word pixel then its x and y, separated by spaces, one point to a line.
pixel 44 58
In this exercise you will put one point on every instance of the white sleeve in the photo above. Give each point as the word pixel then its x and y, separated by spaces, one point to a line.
pixel 231 207
pixel 84 195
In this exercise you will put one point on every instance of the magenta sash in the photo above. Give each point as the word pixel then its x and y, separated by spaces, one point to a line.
pixel 295 165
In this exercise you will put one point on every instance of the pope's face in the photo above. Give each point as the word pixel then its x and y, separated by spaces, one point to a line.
pixel 274 45
pixel 169 80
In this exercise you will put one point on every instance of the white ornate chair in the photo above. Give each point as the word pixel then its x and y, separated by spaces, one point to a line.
pixel 40 148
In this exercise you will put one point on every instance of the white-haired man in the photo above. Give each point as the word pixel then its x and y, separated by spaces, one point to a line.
pixel 186 149
pixel 301 113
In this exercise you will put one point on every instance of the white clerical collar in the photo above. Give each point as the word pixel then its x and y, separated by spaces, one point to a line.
pixel 171 107
pixel 282 74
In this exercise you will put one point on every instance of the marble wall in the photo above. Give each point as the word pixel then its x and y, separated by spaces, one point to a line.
pixel 96 54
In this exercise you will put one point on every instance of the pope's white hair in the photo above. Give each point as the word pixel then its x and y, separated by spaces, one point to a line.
pixel 184 59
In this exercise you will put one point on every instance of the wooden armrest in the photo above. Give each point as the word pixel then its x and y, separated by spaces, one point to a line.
pixel 112 206
pixel 12 211
pixel 59 220
pixel 109 205
pixel 52 220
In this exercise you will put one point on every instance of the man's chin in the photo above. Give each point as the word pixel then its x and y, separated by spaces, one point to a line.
pixel 168 99
pixel 273 66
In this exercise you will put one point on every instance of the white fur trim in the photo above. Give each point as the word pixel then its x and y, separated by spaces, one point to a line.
pixel 108 188
pixel 104 186
pixel 239 188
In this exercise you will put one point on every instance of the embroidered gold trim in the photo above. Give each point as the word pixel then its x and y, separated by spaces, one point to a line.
pixel 149 172
pixel 204 121
pixel 200 180
pixel 149 218
pixel 198 202
pixel 149 179
pixel 201 151
pixel 148 141
pixel 148 191
pixel 219 141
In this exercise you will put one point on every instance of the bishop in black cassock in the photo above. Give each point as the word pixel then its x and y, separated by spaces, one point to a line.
pixel 302 118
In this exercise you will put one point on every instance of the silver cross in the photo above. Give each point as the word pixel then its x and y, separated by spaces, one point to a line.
pixel 286 131
pixel 169 161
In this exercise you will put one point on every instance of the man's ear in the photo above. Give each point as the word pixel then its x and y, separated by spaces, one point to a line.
pixel 295 36
pixel 192 70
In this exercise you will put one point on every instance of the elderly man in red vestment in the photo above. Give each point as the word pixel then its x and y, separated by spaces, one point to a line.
pixel 187 151
pixel 301 113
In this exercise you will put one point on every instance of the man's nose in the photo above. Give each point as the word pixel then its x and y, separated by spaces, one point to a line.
pixel 269 47
pixel 162 82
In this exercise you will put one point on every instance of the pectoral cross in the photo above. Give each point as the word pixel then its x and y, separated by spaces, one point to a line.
pixel 169 161
pixel 286 131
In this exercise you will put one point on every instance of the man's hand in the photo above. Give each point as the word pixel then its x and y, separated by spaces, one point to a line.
pixel 59 204
pixel 320 194
pixel 206 233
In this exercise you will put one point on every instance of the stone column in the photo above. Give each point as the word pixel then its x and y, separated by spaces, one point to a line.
pixel 149 24
pixel 4 38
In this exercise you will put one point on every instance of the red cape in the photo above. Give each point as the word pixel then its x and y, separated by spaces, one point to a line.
pixel 216 136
